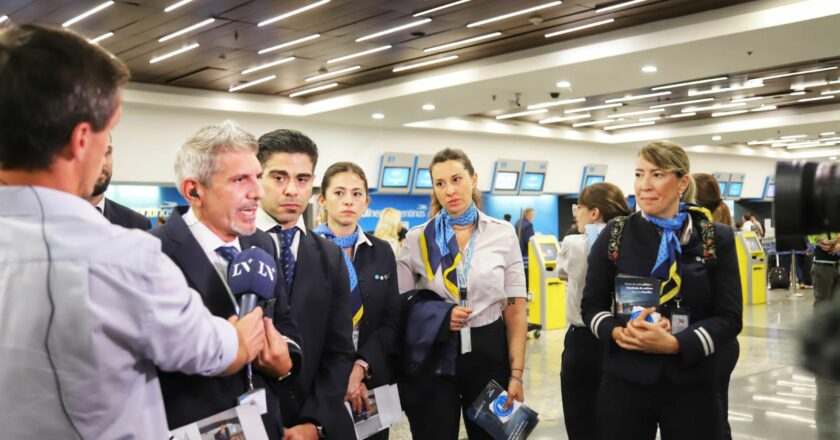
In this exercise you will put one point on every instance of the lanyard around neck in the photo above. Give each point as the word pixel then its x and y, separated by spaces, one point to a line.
pixel 463 268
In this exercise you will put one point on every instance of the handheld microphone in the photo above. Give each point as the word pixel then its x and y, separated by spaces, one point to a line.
pixel 252 276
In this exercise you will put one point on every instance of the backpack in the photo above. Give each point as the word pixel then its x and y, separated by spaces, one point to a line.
pixel 700 217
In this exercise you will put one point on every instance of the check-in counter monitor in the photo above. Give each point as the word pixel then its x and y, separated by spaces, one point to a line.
pixel 752 265
pixel 547 291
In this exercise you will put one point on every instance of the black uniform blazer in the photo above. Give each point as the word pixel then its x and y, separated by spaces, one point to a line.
pixel 189 398
pixel 126 217
pixel 320 302
pixel 712 293
pixel 376 269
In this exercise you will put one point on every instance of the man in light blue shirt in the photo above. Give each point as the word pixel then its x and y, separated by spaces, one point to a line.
pixel 87 309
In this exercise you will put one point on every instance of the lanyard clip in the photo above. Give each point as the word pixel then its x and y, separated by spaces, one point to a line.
pixel 462 294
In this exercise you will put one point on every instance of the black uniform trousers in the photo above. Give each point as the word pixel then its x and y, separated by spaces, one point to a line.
pixel 682 411
pixel 727 357
pixel 434 405
pixel 580 378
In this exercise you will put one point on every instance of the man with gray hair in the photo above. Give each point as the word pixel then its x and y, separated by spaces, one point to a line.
pixel 218 173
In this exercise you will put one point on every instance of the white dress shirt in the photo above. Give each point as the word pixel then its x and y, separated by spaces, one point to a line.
pixel 209 242
pixel 121 308
pixel 265 222
pixel 496 272
pixel 572 261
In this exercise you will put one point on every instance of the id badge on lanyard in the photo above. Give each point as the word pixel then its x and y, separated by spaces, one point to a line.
pixel 462 272
pixel 680 317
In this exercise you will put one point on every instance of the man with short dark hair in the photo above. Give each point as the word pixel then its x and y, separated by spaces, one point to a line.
pixel 116 213
pixel 88 309
pixel 319 289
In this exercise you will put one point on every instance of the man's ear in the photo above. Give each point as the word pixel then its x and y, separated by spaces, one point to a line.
pixel 79 142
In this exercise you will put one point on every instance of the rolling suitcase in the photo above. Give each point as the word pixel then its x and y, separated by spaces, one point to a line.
pixel 779 277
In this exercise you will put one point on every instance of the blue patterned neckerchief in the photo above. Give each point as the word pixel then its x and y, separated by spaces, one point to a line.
pixel 347 242
pixel 592 231
pixel 439 247
pixel 667 267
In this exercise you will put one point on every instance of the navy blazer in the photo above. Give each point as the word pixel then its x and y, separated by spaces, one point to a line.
pixel 376 269
pixel 124 216
pixel 189 398
pixel 320 302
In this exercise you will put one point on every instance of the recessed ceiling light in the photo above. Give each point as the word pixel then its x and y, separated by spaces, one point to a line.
pixel 525 113
pixel 579 28
pixel 267 65
pixel 461 42
pixel 565 118
pixel 716 138
pixel 288 43
pixel 99 38
pixel 393 29
pixel 424 63
pixel 377 116
pixel 649 69
pixel 173 53
pixel 802 72
pixel 175 6
pixel 332 74
pixel 618 6
pixel 438 8
pixel 597 107
pixel 86 14
pixel 637 97
pixel 635 124
pixel 359 54
pixel 564 84
pixel 691 101
pixel 313 90
pixel 555 103
pixel 252 83
pixel 690 83
pixel 428 107
pixel 186 30
pixel 514 14
pixel 294 12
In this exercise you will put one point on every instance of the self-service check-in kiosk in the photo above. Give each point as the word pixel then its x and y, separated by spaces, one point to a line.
pixel 752 264
pixel 548 291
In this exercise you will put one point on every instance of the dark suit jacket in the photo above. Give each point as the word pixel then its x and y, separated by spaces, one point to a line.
pixel 189 398
pixel 126 217
pixel 376 269
pixel 320 301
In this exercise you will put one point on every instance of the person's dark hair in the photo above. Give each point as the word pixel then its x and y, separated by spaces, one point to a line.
pixel 287 141
pixel 708 196
pixel 746 217
pixel 52 80
pixel 342 167
pixel 453 154
pixel 605 196
pixel 507 217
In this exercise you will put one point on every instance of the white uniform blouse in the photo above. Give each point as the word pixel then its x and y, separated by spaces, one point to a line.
pixel 496 272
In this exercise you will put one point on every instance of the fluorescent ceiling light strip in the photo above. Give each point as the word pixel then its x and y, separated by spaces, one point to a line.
pixel 680 115
pixel 175 6
pixel 289 43
pixel 635 124
pixel 691 101
pixel 691 83
pixel 618 6
pixel 3 18
pixel 359 54
pixel 525 113
pixel 735 112
pixel 580 28
pixel 514 14
pixel 597 107
pixel 252 83
pixel 556 103
pixel 173 53
pixel 461 42
pixel 803 72
pixel 753 84
pixel 818 98
pixel 750 99
pixel 565 118
pixel 186 29
pixel 393 29
pixel 811 145
pixel 99 38
pixel 764 108
pixel 636 113
pixel 86 14
pixel 587 124
pixel 830 92
pixel 439 8
pixel 799 93
pixel 291 13
pixel 714 107
pixel 794 136
pixel 424 63
pixel 332 74
pixel 637 97
pixel 828 133
pixel 654 118
pixel 313 90
pixel 836 81
pixel 807 85
pixel 267 65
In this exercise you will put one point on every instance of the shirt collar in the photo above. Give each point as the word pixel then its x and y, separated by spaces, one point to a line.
pixel 363 239
pixel 206 238
pixel 689 227
pixel 17 200
pixel 266 222
pixel 482 220
pixel 101 205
